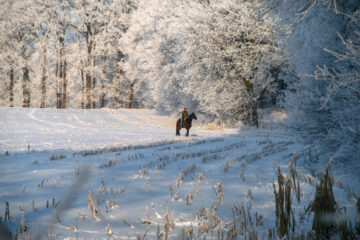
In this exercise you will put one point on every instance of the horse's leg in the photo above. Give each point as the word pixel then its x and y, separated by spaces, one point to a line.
pixel 187 132
pixel 177 129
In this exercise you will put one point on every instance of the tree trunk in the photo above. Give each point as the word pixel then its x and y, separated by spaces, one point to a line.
pixel 64 65
pixel 26 92
pixel 59 87
pixel 60 69
pixel 103 77
pixel 57 74
pixel 11 89
pixel 25 80
pixel 43 81
pixel 251 116
pixel 93 90
pixel 88 90
pixel 89 43
pixel 254 115
pixel 56 79
pixel 131 95
pixel 64 85
pixel 82 88
pixel 117 81
pixel 44 74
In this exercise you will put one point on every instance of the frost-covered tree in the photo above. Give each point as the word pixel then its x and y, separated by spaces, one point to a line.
pixel 141 41
pixel 7 57
pixel 70 51
pixel 87 20
pixel 219 57
pixel 16 39
pixel 237 58
pixel 61 27
pixel 342 81
pixel 323 104
pixel 45 25
pixel 100 24
pixel 119 20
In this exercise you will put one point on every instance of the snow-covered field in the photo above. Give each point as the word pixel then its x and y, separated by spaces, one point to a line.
pixel 49 129
pixel 143 180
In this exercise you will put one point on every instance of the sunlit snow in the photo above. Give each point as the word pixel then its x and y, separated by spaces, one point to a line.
pixel 132 161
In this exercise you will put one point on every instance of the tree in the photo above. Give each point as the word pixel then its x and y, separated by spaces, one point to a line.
pixel 342 78
pixel 118 23
pixel 324 101
pixel 238 62
pixel 43 27
pixel 219 57
pixel 61 62
pixel 7 54
pixel 86 19
pixel 141 44
pixel 19 36
pixel 70 51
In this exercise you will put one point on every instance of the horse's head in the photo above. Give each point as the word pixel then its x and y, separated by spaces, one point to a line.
pixel 193 116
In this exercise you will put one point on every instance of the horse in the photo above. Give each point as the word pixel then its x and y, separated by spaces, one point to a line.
pixel 186 124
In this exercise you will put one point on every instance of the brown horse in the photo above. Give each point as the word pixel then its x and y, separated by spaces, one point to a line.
pixel 186 124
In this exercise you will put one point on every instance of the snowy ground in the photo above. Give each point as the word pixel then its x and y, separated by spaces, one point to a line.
pixel 142 177
pixel 50 129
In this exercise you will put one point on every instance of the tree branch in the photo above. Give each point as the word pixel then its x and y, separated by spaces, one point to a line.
pixel 76 28
pixel 248 85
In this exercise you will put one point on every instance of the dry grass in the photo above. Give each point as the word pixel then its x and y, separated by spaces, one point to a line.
pixel 57 157
pixel 209 225
pixel 214 126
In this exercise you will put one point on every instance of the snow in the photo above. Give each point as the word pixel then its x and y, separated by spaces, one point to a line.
pixel 131 160
pixel 52 129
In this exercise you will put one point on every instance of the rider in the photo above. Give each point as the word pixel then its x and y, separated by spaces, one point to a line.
pixel 184 116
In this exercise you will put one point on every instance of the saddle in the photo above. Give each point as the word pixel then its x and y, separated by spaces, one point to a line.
pixel 182 123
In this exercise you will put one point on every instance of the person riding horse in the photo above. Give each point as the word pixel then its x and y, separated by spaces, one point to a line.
pixel 184 117
pixel 185 122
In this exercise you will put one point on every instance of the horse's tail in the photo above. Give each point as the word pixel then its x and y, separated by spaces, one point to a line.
pixel 177 126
